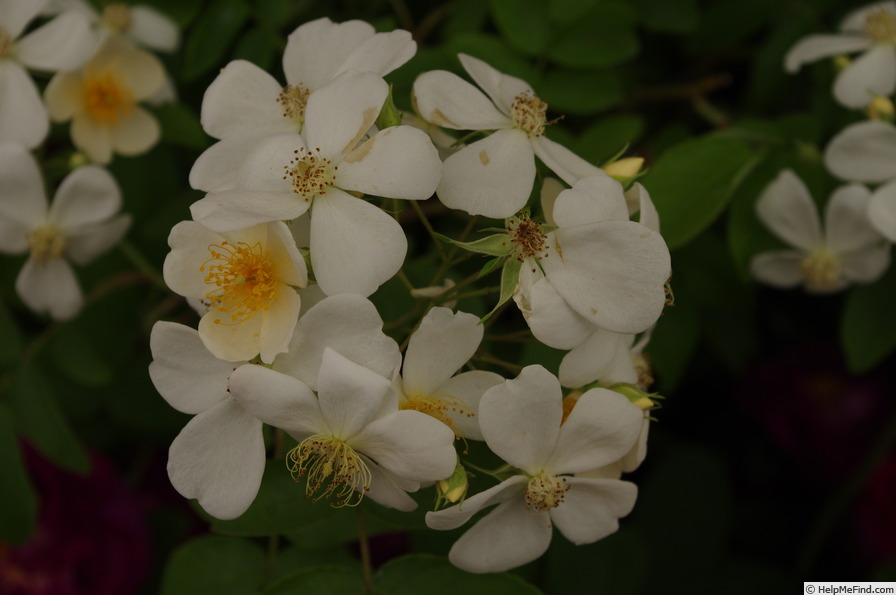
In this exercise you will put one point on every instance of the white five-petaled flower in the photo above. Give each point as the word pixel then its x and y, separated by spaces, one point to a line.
pixel 80 224
pixel 247 278
pixel 847 250
pixel 521 423
pixel 138 23
pixel 102 99
pixel 443 343
pixel 219 456
pixel 492 176
pixel 353 440
pixel 244 103
pixel 64 43
pixel 354 245
pixel 871 30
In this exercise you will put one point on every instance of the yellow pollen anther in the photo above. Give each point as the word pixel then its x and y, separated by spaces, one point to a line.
pixel 528 238
pixel 117 17
pixel 292 100
pixel 545 492
pixel 441 407
pixel 106 98
pixel 243 280
pixel 821 271
pixel 46 243
pixel 5 43
pixel 333 468
pixel 529 114
pixel 310 173
pixel 881 25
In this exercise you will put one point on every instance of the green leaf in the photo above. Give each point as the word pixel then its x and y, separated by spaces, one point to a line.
pixel 670 16
pixel 421 573
pixel 180 126
pixel 603 37
pixel 523 23
pixel 11 344
pixel 214 564
pixel 215 30
pixel 575 92
pixel 323 580
pixel 74 355
pixel 492 50
pixel 494 245
pixel 18 514
pixel 692 182
pixel 867 329
pixel 38 417
pixel 257 46
pixel 273 14
pixel 673 343
pixel 510 278
pixel 181 11
pixel 569 11
pixel 607 136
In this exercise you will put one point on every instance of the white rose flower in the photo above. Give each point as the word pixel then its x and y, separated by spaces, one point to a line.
pixel 79 225
pixel 521 423
pixel 848 250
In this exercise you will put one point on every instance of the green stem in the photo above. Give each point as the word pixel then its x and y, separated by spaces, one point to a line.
pixel 484 357
pixel 425 221
pixel 365 552
pixel 141 263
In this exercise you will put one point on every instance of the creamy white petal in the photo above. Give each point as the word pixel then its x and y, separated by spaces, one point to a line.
pixel 266 166
pixel 388 489
pixel 278 400
pixel 568 166
pixel 86 196
pixel 502 88
pixel 218 167
pixel 604 356
pixel 855 20
pixel 846 223
pixel 64 43
pixel 786 208
pixel 355 247
pixel 23 118
pixel 649 215
pixel 23 201
pixel 136 133
pixel 467 389
pixel 16 14
pixel 350 395
pixel 455 516
pixel 278 322
pixel 94 140
pixel 50 287
pixel 181 268
pixel 141 72
pixel 591 509
pixel 287 264
pixel 863 152
pixel 184 372
pixel 491 177
pixel 867 264
pixel 882 210
pixel 815 47
pixel 243 100
pixel 873 73
pixel 445 99
pixel 153 29
pixel 442 343
pixel 552 320
pixel 339 114
pixel 381 53
pixel 520 419
pixel 550 190
pixel 218 458
pixel 398 162
pixel 593 199
pixel 602 427
pixel 63 95
pixel 87 243
pixel 229 339
pixel 228 210
pixel 13 237
pixel 779 268
pixel 316 50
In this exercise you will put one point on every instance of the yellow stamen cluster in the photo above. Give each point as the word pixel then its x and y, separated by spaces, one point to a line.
pixel 106 98
pixel 529 114
pixel 528 238
pixel 310 173
pixel 821 271
pixel 46 243
pixel 332 467
pixel 881 25
pixel 117 17
pixel 5 43
pixel 292 100
pixel 545 492
pixel 440 406
pixel 243 280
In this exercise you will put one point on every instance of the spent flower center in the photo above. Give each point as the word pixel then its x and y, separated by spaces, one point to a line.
pixel 292 100
pixel 5 43
pixel 242 277
pixel 881 25
pixel 821 270
pixel 117 17
pixel 528 237
pixel 545 491
pixel 107 98
pixel 46 243
pixel 529 113
pixel 332 467
pixel 310 173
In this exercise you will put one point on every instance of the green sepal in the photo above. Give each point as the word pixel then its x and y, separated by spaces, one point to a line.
pixel 510 278
pixel 495 245
pixel 491 265
pixel 389 115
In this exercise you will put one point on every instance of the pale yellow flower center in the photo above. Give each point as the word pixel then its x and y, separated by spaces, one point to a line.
pixel 545 492
pixel 106 98
pixel 243 280
pixel 529 114
pixel 292 100
pixel 820 270
pixel 881 25
pixel 332 467
pixel 46 243
pixel 310 173
pixel 117 17
pixel 5 43
pixel 441 407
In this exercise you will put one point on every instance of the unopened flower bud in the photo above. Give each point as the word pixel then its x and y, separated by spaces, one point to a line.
pixel 454 488
pixel 881 108
pixel 625 171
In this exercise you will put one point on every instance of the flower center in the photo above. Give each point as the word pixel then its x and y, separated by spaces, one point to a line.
pixel 106 98
pixel 333 469
pixel 528 237
pixel 881 25
pixel 117 17
pixel 439 406
pixel 311 174
pixel 5 43
pixel 529 113
pixel 643 369
pixel 46 243
pixel 820 270
pixel 292 100
pixel 243 280
pixel 545 492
